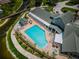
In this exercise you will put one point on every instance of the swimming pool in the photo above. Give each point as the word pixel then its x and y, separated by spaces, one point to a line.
pixel 37 35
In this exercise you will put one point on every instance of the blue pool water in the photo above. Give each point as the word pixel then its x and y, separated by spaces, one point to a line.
pixel 37 35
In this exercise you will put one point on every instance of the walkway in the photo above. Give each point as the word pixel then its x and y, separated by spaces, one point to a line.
pixel 60 5
pixel 19 48
pixel 6 20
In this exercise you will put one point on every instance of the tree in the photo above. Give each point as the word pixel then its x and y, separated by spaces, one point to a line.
pixel 53 2
pixel 45 2
pixel 50 2
pixel 75 1
pixel 38 2
pixel 31 3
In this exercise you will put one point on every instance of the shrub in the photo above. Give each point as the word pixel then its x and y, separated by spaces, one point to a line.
pixel 65 9
pixel 71 3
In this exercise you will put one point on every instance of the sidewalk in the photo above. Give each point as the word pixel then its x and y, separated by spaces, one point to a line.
pixel 4 22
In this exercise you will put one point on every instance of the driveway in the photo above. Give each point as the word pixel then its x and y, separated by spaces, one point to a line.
pixel 60 5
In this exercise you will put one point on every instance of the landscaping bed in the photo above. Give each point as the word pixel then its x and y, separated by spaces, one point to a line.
pixel 72 3
pixel 29 47
pixel 12 48
pixel 66 9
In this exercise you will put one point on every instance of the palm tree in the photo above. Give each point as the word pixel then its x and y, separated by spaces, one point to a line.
pixel 31 3
pixel 38 3
pixel 45 2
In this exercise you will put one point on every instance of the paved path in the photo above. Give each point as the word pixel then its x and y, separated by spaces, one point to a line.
pixel 19 48
pixel 4 22
pixel 60 5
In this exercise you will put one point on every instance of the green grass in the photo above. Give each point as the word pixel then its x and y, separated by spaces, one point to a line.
pixel 72 3
pixel 11 46
pixel 4 53
pixel 18 4
pixel 65 9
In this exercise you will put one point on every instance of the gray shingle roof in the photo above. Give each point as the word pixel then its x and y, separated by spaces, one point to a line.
pixel 57 20
pixel 43 14
pixel 67 17
pixel 71 38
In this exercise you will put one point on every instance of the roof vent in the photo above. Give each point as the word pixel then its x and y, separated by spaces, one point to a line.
pixel 51 17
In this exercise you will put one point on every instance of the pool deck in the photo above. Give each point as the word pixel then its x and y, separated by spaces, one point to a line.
pixel 49 36
pixel 48 48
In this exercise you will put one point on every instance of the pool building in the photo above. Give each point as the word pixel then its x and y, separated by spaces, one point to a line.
pixel 40 26
pixel 36 35
pixel 52 21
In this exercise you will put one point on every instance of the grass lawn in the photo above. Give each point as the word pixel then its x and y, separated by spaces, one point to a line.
pixel 17 5
pixel 11 46
pixel 72 3
pixel 65 9
pixel 4 53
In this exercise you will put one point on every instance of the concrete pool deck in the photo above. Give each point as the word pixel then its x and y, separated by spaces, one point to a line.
pixel 48 48
pixel 19 48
